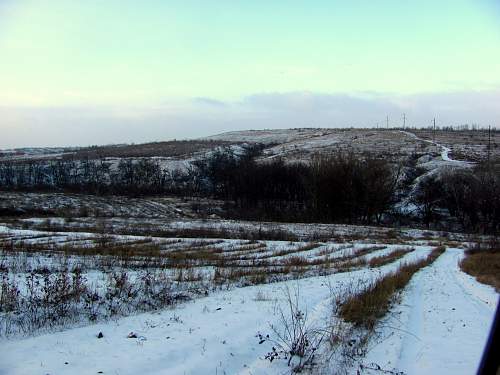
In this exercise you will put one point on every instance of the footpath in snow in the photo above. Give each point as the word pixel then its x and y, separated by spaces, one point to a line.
pixel 445 151
pixel 441 324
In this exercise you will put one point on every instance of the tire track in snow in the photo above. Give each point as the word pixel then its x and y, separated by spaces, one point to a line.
pixel 439 327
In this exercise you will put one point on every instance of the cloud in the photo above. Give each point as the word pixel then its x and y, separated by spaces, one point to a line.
pixel 202 116
pixel 366 109
pixel 335 106
pixel 209 102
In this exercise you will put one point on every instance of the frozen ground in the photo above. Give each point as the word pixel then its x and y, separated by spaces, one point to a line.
pixel 291 144
pixel 79 205
pixel 465 145
pixel 439 326
pixel 233 229
pixel 301 144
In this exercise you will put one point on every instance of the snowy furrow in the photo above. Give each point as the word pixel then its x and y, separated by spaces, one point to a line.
pixel 211 335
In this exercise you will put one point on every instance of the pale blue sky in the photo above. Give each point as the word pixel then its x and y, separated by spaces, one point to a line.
pixel 148 70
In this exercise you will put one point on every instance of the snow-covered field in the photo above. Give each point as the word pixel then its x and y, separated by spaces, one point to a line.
pixel 162 285
pixel 439 324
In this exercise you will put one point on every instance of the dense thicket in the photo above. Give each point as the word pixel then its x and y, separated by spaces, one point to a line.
pixel 129 177
pixel 337 188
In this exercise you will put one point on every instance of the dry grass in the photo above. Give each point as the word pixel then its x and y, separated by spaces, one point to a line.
pixel 164 149
pixel 366 308
pixel 484 265
pixel 389 258
pixel 279 253
pixel 358 259
pixel 251 234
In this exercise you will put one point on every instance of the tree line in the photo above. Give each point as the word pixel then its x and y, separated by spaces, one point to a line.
pixel 94 176
pixel 336 188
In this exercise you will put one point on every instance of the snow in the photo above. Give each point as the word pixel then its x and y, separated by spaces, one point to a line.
pixel 434 167
pixel 194 339
pixel 445 151
pixel 298 145
pixel 302 231
pixel 440 326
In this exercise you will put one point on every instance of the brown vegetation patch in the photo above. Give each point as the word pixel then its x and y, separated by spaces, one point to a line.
pixel 164 149
pixel 484 265
pixel 389 258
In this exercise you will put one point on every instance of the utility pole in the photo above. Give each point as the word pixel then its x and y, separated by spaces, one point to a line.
pixel 404 121
pixel 387 121
pixel 489 143
pixel 434 131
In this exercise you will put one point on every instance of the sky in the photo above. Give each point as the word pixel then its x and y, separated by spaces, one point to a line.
pixel 80 72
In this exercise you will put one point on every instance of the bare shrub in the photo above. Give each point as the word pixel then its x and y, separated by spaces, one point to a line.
pixel 260 296
pixel 294 339
pixel 51 300
pixel 9 295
